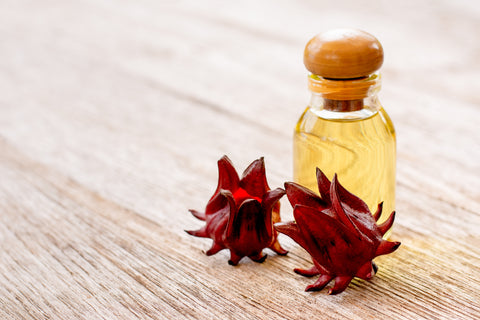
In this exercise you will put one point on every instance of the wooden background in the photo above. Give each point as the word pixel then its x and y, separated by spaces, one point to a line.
pixel 114 113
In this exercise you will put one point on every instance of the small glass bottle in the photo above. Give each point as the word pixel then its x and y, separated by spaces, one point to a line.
pixel 344 129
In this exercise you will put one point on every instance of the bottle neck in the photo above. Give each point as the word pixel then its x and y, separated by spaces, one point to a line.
pixel 343 95
pixel 344 109
pixel 343 105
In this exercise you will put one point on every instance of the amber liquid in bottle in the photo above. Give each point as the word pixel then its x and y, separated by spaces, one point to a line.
pixel 356 140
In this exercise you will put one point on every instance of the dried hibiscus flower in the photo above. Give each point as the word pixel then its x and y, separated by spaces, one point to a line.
pixel 338 231
pixel 241 213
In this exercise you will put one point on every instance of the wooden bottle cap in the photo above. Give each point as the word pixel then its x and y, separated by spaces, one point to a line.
pixel 343 54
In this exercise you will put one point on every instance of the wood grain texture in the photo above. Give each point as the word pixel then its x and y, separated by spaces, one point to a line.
pixel 114 113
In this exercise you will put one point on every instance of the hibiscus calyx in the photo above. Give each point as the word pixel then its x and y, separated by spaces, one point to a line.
pixel 338 231
pixel 241 213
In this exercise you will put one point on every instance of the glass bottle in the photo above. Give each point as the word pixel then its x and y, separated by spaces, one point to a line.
pixel 344 129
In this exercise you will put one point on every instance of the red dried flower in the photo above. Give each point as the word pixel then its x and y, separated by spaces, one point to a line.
pixel 241 213
pixel 338 231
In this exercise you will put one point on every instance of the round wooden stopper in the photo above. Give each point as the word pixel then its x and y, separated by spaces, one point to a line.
pixel 343 54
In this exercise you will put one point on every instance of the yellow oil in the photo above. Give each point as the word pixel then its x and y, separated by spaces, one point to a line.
pixel 359 146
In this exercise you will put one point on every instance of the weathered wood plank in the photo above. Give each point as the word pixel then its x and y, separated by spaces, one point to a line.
pixel 112 116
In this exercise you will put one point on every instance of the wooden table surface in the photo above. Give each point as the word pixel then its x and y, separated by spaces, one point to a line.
pixel 114 113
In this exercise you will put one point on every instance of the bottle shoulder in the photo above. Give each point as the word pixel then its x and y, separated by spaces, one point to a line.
pixel 316 120
pixel 387 120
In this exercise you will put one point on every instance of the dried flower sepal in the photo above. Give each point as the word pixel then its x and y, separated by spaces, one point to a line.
pixel 338 231
pixel 241 213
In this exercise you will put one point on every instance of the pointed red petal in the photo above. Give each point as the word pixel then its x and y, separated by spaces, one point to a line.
pixel 337 206
pixel 269 200
pixel 198 233
pixel 298 194
pixel 227 175
pixel 247 227
pixel 323 185
pixel 387 224
pixel 217 221
pixel 291 229
pixel 313 271
pixel 214 249
pixel 386 247
pixel 327 240
pixel 254 180
pixel 197 214
pixel 219 201
pixel 354 202
pixel 341 283
pixel 378 213
pixel 356 211
pixel 321 282
pixel 271 197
